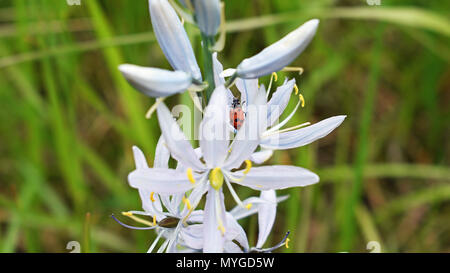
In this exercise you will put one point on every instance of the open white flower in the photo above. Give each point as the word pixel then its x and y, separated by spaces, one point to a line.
pixel 265 206
pixel 217 167
pixel 273 137
pixel 169 219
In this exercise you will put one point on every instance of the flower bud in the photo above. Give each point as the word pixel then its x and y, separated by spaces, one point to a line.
pixel 280 54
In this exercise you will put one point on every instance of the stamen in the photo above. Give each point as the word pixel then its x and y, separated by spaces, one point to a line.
pixel 289 129
pixel 283 242
pixel 234 194
pixel 219 213
pixel 195 100
pixel 154 220
pixel 249 206
pixel 248 166
pixel 221 228
pixel 150 250
pixel 130 227
pixel 296 89
pixel 281 124
pixel 187 202
pixel 302 99
pixel 190 176
pixel 151 196
pixel 137 219
pixel 153 108
pixel 294 69
pixel 275 76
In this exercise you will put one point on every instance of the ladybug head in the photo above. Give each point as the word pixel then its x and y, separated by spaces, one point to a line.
pixel 235 102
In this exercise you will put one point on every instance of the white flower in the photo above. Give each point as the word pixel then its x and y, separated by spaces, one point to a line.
pixel 169 219
pixel 265 206
pixel 273 137
pixel 219 161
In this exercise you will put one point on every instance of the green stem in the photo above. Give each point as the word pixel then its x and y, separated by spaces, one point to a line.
pixel 208 68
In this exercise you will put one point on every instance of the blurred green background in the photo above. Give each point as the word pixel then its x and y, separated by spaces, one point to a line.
pixel 68 121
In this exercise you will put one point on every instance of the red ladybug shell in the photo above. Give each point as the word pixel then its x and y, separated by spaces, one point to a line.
pixel 237 116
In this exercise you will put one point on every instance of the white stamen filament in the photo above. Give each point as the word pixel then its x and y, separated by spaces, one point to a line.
pixel 288 129
pixel 286 120
pixel 233 193
pixel 272 77
pixel 152 109
pixel 300 70
pixel 150 250
pixel 218 208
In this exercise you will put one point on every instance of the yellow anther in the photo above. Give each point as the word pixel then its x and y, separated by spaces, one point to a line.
pixel 293 69
pixel 187 203
pixel 230 150
pixel 190 176
pixel 275 76
pixel 302 99
pixel 287 242
pixel 296 89
pixel 249 206
pixel 154 220
pixel 151 196
pixel 248 166
pixel 127 213
pixel 222 229
pixel 216 178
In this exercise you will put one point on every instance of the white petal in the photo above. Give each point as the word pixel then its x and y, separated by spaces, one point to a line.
pixel 239 212
pixel 214 133
pixel 231 247
pixel 219 79
pixel 261 156
pixel 266 216
pixel 249 89
pixel 192 236
pixel 162 154
pixel 164 181
pixel 247 138
pixel 155 82
pixel 139 158
pixel 172 38
pixel 303 136
pixel 152 208
pixel 279 101
pixel 279 54
pixel 177 144
pixel 228 72
pixel 277 177
pixel 235 232
pixel 213 238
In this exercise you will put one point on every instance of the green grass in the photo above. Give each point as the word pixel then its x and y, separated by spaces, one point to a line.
pixel 68 121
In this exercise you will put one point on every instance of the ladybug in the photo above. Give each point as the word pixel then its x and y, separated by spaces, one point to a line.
pixel 237 115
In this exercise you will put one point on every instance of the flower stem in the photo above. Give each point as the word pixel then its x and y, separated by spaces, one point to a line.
pixel 208 69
